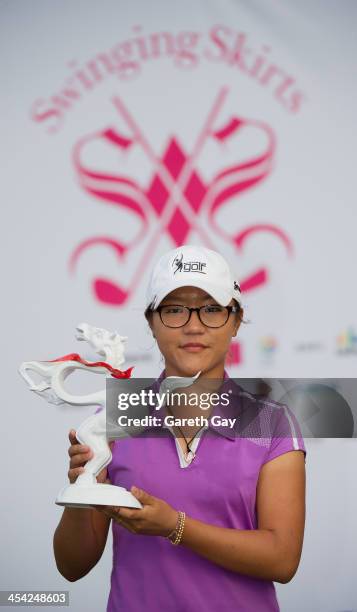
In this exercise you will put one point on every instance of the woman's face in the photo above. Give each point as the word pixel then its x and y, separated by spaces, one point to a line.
pixel 180 361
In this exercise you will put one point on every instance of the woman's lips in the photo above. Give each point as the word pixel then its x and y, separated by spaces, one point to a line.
pixel 193 348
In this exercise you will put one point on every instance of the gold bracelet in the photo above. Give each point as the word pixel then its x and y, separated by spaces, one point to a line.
pixel 175 536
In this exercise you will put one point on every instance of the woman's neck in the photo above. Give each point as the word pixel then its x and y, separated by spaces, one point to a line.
pixel 217 372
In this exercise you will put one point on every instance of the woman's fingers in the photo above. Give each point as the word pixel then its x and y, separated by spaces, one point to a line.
pixel 80 459
pixel 77 449
pixel 74 473
pixel 114 514
pixel 79 455
pixel 108 510
pixel 72 437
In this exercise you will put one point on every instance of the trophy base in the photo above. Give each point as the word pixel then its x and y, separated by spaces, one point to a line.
pixel 85 496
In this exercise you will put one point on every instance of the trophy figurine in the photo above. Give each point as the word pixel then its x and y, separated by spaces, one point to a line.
pixel 86 491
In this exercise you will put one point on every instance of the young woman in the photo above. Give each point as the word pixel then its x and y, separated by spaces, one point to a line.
pixel 223 515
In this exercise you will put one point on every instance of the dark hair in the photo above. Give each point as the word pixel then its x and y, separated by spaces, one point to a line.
pixel 148 311
pixel 239 313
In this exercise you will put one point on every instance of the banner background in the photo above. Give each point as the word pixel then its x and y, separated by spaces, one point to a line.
pixel 295 226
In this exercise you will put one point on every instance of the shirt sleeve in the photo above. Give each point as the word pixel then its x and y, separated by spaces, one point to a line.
pixel 286 434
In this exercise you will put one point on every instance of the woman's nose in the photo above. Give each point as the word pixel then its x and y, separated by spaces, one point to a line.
pixel 194 320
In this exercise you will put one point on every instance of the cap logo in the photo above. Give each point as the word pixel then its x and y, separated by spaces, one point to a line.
pixel 236 286
pixel 188 266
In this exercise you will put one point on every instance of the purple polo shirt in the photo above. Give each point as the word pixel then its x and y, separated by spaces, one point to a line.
pixel 219 488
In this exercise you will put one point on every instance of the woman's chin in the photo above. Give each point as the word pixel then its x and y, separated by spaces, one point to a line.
pixel 191 367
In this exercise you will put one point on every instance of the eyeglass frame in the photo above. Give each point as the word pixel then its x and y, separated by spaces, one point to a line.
pixel 229 309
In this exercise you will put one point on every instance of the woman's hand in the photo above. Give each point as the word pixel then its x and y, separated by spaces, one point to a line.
pixel 155 518
pixel 79 455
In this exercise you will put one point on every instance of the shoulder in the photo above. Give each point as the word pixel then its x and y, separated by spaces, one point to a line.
pixel 266 422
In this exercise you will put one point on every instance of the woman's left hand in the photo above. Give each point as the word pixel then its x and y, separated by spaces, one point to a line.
pixel 156 517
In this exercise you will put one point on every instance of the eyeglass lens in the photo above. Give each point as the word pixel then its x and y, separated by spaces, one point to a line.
pixel 210 315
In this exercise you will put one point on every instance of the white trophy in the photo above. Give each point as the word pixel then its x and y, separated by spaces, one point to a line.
pixel 86 491
pixel 92 432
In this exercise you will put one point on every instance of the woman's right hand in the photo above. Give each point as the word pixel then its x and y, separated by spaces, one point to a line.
pixel 79 455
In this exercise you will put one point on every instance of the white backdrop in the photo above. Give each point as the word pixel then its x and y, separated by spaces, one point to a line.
pixel 132 128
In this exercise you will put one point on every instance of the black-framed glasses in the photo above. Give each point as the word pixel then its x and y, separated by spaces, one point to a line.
pixel 211 315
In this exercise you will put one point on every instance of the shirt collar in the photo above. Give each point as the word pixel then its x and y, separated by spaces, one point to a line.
pixel 230 411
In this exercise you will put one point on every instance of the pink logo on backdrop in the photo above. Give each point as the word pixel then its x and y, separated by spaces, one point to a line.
pixel 176 200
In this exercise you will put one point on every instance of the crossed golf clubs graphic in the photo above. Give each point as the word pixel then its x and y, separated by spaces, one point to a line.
pixel 178 208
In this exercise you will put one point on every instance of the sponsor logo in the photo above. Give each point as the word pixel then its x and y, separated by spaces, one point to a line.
pixel 309 346
pixel 347 342
pixel 188 266
pixel 267 347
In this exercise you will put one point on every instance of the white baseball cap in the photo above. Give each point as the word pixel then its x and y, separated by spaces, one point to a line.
pixel 195 266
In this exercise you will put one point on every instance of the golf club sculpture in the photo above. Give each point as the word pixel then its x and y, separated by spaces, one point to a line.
pixel 86 491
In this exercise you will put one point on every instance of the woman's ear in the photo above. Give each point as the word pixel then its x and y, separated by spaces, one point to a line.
pixel 238 323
